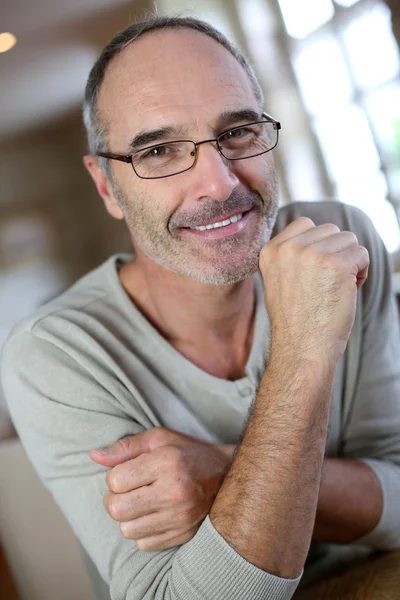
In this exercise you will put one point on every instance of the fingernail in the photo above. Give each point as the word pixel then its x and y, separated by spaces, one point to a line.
pixel 103 451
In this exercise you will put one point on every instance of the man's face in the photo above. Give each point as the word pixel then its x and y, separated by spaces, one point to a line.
pixel 182 80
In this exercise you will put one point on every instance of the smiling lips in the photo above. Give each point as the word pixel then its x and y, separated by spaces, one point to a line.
pixel 224 223
pixel 227 227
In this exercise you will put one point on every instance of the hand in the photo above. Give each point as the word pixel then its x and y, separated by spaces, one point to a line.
pixel 162 485
pixel 311 276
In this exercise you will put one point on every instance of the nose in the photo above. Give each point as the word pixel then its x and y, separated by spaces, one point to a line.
pixel 213 175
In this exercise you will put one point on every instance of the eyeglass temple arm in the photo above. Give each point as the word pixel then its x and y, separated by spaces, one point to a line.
pixel 267 116
pixel 121 157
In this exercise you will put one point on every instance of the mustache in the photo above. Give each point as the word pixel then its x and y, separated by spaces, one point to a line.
pixel 213 210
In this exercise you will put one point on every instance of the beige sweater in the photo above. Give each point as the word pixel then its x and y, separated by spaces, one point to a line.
pixel 88 369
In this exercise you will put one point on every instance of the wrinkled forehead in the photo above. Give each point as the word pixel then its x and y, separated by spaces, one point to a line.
pixel 177 76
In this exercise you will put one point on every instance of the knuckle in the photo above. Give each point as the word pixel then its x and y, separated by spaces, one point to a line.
pixel 364 251
pixel 126 530
pixel 124 444
pixel 351 237
pixel 284 251
pixel 112 479
pixel 144 545
pixel 309 254
pixel 332 227
pixel 114 509
pixel 159 434
pixel 182 492
pixel 305 221
pixel 174 457
pixel 106 500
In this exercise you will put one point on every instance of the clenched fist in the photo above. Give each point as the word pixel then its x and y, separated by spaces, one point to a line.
pixel 311 277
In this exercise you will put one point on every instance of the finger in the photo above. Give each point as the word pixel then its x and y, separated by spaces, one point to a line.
pixel 336 242
pixel 130 506
pixel 357 256
pixel 166 540
pixel 125 449
pixel 318 233
pixel 358 260
pixel 133 504
pixel 294 229
pixel 362 277
pixel 135 473
pixel 149 525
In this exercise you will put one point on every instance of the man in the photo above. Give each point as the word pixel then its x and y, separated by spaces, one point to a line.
pixel 160 358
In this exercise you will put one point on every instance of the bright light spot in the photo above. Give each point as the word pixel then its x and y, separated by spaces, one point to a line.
pixel 373 51
pixel 346 3
pixel 353 161
pixel 301 18
pixel 300 159
pixel 322 75
pixel 256 17
pixel 393 176
pixel 347 143
pixel 380 211
pixel 383 106
pixel 7 41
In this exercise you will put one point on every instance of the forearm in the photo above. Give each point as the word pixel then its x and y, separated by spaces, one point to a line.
pixel 349 502
pixel 266 506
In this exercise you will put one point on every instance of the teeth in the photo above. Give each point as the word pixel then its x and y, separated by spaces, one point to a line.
pixel 233 219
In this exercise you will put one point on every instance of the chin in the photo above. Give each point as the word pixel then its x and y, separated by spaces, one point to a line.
pixel 224 277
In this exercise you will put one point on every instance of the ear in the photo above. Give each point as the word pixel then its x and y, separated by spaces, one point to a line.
pixel 103 185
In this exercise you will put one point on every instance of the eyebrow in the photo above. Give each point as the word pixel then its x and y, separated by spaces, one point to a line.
pixel 224 120
pixel 230 117
pixel 155 135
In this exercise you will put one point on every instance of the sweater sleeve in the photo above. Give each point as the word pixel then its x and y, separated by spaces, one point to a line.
pixel 372 431
pixel 61 412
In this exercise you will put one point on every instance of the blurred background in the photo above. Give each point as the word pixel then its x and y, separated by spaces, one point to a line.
pixel 330 70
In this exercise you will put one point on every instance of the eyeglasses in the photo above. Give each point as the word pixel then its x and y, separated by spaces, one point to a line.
pixel 171 158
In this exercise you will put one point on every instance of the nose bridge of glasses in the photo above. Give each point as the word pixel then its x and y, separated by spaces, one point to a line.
pixel 212 141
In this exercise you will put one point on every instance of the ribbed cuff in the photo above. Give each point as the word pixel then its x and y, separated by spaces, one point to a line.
pixel 386 535
pixel 208 568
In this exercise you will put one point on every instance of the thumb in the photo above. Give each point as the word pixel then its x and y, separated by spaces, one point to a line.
pixel 124 449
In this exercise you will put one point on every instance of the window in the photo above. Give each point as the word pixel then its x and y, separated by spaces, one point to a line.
pixel 345 66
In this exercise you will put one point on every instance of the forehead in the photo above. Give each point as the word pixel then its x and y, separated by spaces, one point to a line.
pixel 177 76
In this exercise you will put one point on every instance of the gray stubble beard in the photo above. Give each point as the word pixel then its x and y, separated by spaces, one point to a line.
pixel 161 253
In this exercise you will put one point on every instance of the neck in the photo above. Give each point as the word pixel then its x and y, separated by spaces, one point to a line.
pixel 212 325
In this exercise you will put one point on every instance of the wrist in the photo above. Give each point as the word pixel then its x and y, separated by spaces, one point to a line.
pixel 306 365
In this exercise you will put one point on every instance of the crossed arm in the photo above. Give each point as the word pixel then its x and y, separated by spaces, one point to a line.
pixel 162 485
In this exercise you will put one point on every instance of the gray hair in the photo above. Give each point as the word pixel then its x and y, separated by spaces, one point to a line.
pixel 96 129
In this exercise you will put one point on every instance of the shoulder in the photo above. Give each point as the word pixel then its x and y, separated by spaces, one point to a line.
pixel 78 304
pixel 343 215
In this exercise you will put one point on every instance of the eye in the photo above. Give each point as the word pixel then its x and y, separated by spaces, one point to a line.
pixel 234 133
pixel 156 151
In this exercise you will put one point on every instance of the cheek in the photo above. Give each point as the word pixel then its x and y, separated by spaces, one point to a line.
pixel 151 204
pixel 255 172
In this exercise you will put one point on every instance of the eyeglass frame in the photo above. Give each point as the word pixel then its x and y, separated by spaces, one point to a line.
pixel 128 158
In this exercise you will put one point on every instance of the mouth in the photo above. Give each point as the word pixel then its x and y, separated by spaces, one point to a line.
pixel 228 226
pixel 221 223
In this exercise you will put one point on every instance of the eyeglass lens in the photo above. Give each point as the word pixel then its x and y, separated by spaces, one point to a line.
pixel 170 158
